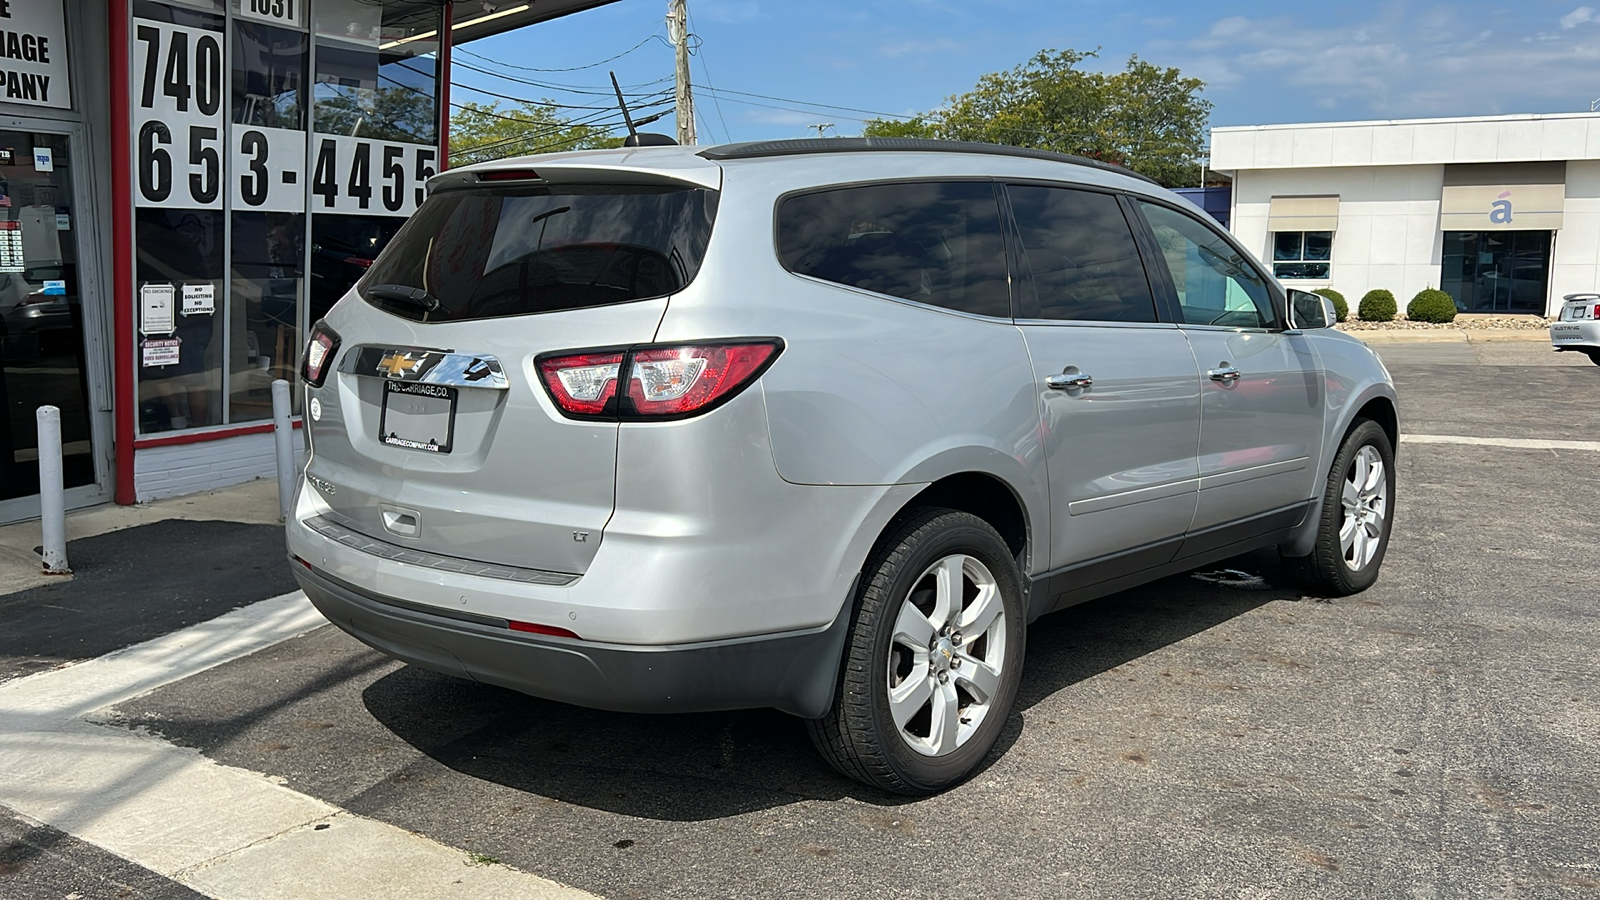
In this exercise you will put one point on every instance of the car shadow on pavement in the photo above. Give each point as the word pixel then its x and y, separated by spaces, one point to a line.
pixel 694 767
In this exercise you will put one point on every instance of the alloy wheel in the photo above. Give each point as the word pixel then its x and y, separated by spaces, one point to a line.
pixel 946 655
pixel 1365 502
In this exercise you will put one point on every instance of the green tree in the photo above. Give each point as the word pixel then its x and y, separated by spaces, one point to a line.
pixel 1146 117
pixel 481 131
pixel 384 114
pixel 914 127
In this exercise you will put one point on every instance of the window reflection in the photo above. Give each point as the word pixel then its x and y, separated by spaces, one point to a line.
pixel 179 247
pixel 268 76
pixel 342 249
pixel 265 290
pixel 377 71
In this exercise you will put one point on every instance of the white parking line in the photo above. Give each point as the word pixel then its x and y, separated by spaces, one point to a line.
pixel 1515 443
pixel 226 832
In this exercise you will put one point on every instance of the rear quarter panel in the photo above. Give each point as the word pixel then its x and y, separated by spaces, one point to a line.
pixel 870 390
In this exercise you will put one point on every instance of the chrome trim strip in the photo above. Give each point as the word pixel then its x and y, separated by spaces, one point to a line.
pixel 1223 479
pixel 1128 498
pixel 420 366
pixel 384 550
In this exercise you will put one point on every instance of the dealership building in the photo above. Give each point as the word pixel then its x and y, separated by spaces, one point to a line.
pixel 185 185
pixel 1501 212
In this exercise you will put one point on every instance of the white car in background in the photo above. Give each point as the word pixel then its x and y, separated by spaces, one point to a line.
pixel 1578 326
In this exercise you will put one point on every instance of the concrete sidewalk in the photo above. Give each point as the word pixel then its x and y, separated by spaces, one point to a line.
pixel 254 503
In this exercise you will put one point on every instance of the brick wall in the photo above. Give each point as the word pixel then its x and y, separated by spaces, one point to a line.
pixel 180 469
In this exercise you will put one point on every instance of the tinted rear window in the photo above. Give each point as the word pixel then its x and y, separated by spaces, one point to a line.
pixel 511 252
pixel 935 243
pixel 1082 263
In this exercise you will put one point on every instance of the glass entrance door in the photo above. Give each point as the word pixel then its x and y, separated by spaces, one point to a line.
pixel 42 359
pixel 1496 271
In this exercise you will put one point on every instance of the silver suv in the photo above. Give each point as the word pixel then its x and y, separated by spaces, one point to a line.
pixel 815 425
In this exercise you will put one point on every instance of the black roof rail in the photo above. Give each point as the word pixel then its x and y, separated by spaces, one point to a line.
pixel 800 146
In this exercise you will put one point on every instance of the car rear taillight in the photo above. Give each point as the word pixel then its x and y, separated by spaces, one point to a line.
pixel 320 351
pixel 582 384
pixel 663 381
pixel 1596 314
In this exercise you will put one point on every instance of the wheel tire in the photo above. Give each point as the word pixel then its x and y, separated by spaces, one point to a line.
pixel 859 734
pixel 1594 356
pixel 1334 568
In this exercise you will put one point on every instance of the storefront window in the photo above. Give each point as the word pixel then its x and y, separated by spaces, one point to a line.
pixel 342 248
pixel 264 303
pixel 377 70
pixel 224 95
pixel 179 271
pixel 269 67
pixel 1496 271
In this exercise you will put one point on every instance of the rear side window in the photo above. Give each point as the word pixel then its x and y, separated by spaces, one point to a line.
pixel 937 243
pixel 1081 257
pixel 510 252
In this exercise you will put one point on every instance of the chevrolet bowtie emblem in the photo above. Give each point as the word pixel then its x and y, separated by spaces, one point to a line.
pixel 395 364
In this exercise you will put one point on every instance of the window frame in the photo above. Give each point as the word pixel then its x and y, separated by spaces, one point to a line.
pixel 1022 272
pixel 1002 217
pixel 1301 259
pixel 1156 265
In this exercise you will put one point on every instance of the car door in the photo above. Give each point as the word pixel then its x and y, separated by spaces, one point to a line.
pixel 1261 386
pixel 1118 401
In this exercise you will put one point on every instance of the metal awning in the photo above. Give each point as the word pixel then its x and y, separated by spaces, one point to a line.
pixel 1304 214
pixel 473 19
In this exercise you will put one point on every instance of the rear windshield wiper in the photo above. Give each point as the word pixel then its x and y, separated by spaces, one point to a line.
pixel 402 294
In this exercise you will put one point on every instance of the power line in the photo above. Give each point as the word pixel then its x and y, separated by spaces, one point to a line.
pixel 706 71
pixel 571 89
pixel 790 108
pixel 881 115
pixel 546 103
pixel 652 37
pixel 454 83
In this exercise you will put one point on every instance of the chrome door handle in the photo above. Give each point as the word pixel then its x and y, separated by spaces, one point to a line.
pixel 1068 381
pixel 1224 373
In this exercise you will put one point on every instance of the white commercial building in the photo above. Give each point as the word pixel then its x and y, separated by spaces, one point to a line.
pixel 1501 212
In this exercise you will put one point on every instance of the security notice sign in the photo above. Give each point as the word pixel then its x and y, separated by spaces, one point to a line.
pixel 33 53
pixel 178 115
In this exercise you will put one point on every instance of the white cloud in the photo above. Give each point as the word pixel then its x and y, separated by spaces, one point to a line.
pixel 1579 16
pixel 1389 65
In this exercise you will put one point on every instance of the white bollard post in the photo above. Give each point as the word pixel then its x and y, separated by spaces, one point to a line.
pixel 52 501
pixel 283 438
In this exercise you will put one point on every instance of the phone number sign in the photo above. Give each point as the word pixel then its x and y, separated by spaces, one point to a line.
pixel 188 154
pixel 179 115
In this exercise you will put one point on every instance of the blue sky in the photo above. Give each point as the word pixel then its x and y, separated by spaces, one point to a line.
pixel 1262 62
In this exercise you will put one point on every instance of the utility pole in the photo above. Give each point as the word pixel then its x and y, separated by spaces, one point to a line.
pixel 678 33
pixel 820 126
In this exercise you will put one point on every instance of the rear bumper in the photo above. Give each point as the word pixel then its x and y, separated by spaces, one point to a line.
pixel 794 671
pixel 1582 335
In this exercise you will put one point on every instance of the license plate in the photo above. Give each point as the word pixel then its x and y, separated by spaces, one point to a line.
pixel 418 416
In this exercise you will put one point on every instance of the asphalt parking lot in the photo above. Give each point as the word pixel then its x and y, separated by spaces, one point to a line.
pixel 1212 734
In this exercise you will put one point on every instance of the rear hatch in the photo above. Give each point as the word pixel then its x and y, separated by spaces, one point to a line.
pixel 1580 308
pixel 434 431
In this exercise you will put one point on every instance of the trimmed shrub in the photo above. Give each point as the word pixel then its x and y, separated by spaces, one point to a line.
pixel 1431 306
pixel 1377 306
pixel 1339 306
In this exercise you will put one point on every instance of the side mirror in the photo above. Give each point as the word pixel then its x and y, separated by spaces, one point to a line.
pixel 1308 310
